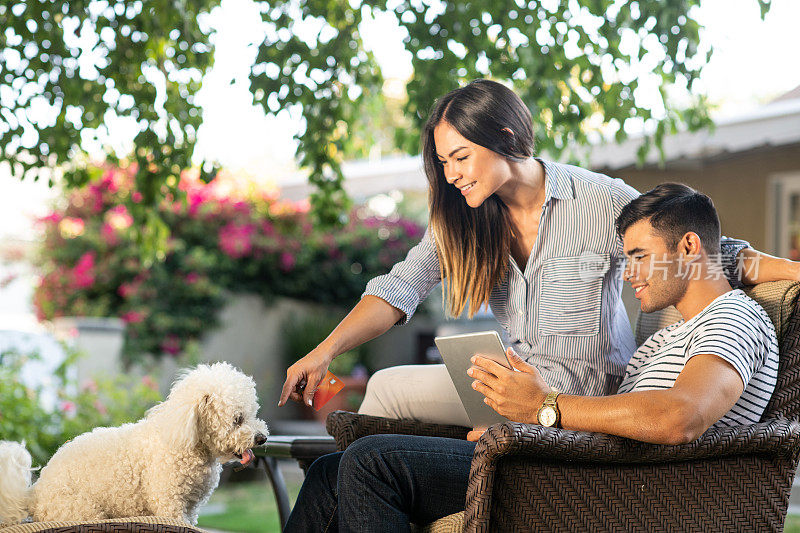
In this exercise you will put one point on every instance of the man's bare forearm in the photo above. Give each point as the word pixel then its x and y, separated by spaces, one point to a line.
pixel 660 416
pixel 370 318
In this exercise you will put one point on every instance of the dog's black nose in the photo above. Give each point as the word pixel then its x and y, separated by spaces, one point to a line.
pixel 260 439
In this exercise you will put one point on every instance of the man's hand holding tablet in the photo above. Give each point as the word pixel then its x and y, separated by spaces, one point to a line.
pixel 457 351
pixel 516 393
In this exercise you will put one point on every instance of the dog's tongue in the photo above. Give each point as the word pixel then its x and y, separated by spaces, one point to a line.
pixel 247 457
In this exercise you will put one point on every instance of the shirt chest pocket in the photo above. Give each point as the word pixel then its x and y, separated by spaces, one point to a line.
pixel 570 294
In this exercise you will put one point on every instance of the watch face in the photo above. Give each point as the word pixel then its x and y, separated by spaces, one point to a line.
pixel 547 416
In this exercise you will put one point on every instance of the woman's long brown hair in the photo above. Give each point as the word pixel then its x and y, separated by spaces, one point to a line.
pixel 474 244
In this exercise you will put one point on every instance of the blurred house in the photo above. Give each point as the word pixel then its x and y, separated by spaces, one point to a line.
pixel 367 178
pixel 749 165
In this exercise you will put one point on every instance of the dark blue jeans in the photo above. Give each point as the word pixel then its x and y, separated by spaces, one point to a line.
pixel 383 483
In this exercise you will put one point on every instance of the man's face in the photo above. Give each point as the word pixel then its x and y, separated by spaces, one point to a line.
pixel 653 270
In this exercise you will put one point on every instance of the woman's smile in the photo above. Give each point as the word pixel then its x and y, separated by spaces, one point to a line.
pixel 466 188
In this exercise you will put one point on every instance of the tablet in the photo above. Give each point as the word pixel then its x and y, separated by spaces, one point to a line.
pixel 456 351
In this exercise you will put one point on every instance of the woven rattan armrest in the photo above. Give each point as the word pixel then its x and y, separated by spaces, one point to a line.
pixel 772 437
pixel 346 427
pixel 777 441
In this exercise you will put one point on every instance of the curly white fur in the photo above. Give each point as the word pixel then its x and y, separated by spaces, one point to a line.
pixel 166 464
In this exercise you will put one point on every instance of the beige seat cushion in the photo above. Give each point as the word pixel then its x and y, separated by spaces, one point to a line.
pixel 453 523
pixel 138 523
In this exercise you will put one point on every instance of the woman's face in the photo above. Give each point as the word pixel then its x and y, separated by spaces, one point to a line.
pixel 476 171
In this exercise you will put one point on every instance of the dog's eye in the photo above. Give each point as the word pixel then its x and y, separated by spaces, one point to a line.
pixel 238 420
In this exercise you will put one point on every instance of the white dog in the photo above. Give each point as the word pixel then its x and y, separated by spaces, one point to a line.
pixel 167 464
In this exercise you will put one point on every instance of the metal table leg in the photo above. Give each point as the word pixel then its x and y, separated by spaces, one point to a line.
pixel 278 487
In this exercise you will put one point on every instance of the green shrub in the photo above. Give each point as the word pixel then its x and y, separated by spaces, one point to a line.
pixel 80 407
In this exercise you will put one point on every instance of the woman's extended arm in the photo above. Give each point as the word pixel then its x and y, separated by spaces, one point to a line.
pixel 370 317
pixel 758 267
pixel 388 300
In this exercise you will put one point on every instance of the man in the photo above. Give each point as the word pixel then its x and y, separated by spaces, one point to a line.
pixel 718 366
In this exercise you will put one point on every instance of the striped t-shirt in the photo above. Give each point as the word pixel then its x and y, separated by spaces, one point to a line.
pixel 733 327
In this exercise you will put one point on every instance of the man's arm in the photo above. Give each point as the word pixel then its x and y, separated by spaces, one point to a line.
pixel 705 390
pixel 758 267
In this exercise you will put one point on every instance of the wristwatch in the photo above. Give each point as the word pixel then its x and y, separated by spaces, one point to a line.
pixel 549 415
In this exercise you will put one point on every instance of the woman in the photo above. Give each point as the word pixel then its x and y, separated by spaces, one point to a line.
pixel 533 239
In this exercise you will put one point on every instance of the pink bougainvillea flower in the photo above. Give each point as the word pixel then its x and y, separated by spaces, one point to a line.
pixel 373 222
pixel 136 196
pixel 241 207
pixel 149 382
pixel 110 180
pixel 67 407
pixel 83 271
pixel 287 261
pixel 335 253
pixel 411 229
pixel 53 218
pixel 119 218
pixel 94 196
pixel 196 198
pixel 101 408
pixel 71 227
pixel 89 385
pixel 192 278
pixel 127 289
pixel 171 345
pixel 267 228
pixel 235 240
pixel 109 234
pixel 303 206
pixel 133 317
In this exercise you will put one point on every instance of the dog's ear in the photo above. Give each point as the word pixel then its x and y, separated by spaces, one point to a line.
pixel 204 407
pixel 177 421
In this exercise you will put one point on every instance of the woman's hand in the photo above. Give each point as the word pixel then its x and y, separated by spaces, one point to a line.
pixel 303 377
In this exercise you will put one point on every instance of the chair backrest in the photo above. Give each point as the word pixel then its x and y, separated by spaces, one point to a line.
pixel 649 323
pixel 779 300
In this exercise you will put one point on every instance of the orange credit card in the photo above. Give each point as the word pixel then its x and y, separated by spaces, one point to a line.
pixel 328 388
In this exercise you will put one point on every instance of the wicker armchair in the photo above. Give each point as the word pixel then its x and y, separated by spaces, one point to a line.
pixel 526 477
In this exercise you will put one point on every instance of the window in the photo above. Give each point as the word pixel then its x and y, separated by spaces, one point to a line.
pixel 783 216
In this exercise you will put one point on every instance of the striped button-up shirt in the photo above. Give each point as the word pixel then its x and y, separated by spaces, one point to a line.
pixel 564 312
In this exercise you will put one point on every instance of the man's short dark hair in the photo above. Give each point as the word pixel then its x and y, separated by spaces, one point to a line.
pixel 674 209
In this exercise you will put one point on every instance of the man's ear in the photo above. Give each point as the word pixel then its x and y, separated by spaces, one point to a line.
pixel 690 244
